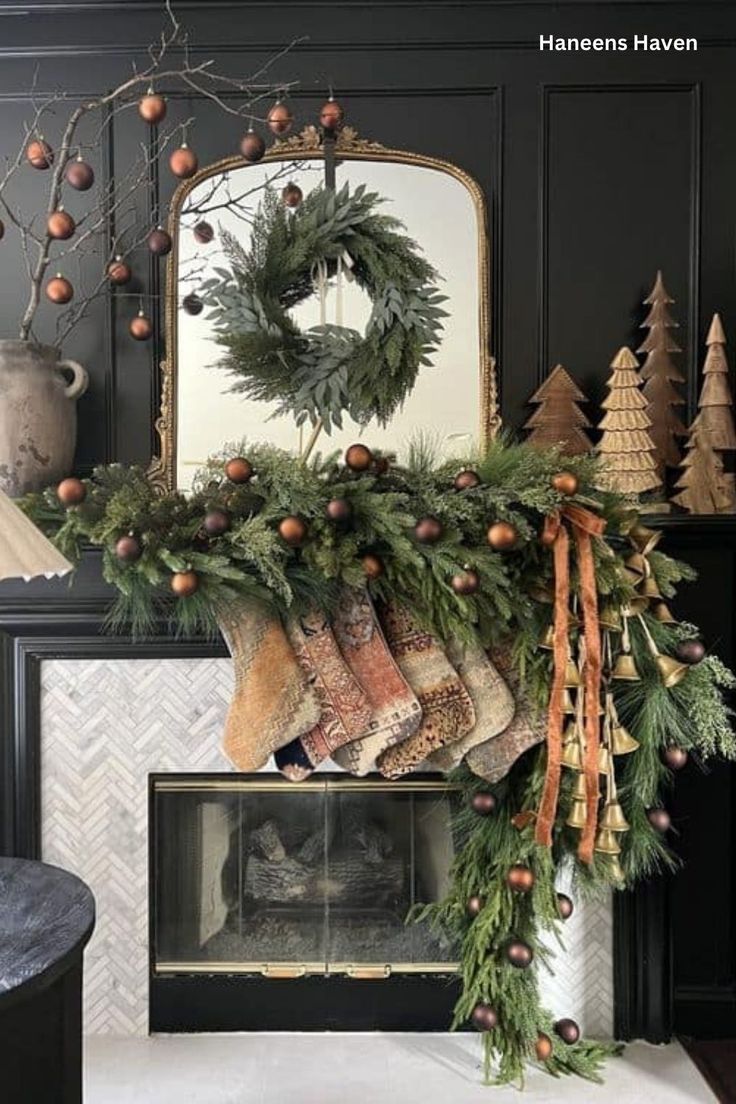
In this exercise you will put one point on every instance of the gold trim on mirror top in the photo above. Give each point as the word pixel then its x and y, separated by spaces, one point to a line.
pixel 301 147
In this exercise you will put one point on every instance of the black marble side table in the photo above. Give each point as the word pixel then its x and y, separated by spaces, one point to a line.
pixel 46 918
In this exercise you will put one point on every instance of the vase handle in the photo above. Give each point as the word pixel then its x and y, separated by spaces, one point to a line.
pixel 80 379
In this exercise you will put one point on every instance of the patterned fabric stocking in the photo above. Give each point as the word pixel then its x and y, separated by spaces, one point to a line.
pixel 346 714
pixel 396 711
pixel 272 703
pixel 491 698
pixel 494 758
pixel 447 709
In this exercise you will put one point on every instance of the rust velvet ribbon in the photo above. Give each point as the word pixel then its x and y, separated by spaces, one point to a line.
pixel 584 525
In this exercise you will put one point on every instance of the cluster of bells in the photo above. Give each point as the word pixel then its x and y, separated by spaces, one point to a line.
pixel 184 163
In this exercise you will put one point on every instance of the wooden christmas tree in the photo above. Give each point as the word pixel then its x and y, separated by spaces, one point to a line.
pixel 627 452
pixel 660 376
pixel 716 402
pixel 558 419
pixel 702 486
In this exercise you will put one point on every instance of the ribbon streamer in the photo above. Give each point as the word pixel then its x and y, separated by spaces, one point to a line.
pixel 584 525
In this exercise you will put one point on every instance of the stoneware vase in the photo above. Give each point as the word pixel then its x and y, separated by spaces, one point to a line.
pixel 38 415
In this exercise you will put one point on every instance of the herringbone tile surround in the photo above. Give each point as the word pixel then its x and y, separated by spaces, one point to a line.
pixel 108 724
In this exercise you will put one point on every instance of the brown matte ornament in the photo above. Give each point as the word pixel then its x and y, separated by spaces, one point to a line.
pixel 690 651
pixel 465 582
pixel 279 119
pixel 71 492
pixel 565 906
pixel 372 566
pixel 565 483
pixel 152 108
pixel 558 420
pixel 332 115
pixel 159 242
pixel 80 175
pixel 502 536
pixel 252 146
pixel 128 549
pixel 184 583
pixel 660 376
pixel 519 954
pixel 466 480
pixel 358 458
pixel 628 455
pixel 40 154
pixel 428 530
pixel 292 195
pixel 192 304
pixel 60 225
pixel 475 905
pixel 674 757
pixel 184 162
pixel 203 232
pixel 483 803
pixel 59 290
pixel 292 530
pixel 118 272
pixel 484 1017
pixel 659 820
pixel 520 878
pixel 140 327
pixel 568 1031
pixel 239 470
pixel 216 522
pixel 339 509
pixel 543 1047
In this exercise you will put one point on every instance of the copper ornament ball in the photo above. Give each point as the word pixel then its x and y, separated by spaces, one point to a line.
pixel 71 491
pixel 216 522
pixel 192 304
pixel 40 154
pixel 60 225
pixel 140 327
pixel 568 1031
pixel 690 651
pixel 128 549
pixel 252 146
pixel 519 954
pixel 183 162
pixel 543 1047
pixel 428 530
pixel 483 803
pixel 674 757
pixel 466 480
pixel 239 470
pixel 279 119
pixel 118 272
pixel 203 232
pixel 292 195
pixel 565 906
pixel 475 905
pixel 502 536
pixel 59 290
pixel 465 582
pixel 80 175
pixel 184 583
pixel 159 242
pixel 520 878
pixel 358 458
pixel 332 115
pixel 659 820
pixel 372 566
pixel 565 483
pixel 152 108
pixel 339 509
pixel 484 1017
pixel 292 530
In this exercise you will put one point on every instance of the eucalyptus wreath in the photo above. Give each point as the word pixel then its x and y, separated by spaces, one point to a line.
pixel 328 370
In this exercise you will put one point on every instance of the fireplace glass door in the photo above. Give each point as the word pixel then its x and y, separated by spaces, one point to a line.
pixel 256 875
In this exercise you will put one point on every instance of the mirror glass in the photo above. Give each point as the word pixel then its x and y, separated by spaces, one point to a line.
pixel 438 212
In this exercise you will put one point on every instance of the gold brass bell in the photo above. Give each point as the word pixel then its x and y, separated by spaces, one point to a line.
pixel 572 756
pixel 579 792
pixel 661 612
pixel 606 842
pixel 622 742
pixel 604 759
pixel 644 537
pixel 548 640
pixel 615 872
pixel 578 815
pixel 650 588
pixel 639 604
pixel 572 675
pixel 671 670
pixel 610 619
pixel 624 668
pixel 568 705
pixel 637 563
pixel 612 818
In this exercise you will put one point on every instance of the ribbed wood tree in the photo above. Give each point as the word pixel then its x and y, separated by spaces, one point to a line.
pixel 627 452
pixel 558 420
pixel 716 402
pixel 702 486
pixel 660 375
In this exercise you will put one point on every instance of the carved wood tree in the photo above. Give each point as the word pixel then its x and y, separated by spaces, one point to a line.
pixel 702 486
pixel 627 451
pixel 660 375
pixel 716 402
pixel 558 420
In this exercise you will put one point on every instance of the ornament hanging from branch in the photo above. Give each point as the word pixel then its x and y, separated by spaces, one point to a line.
pixel 627 451
pixel 559 419
pixel 659 375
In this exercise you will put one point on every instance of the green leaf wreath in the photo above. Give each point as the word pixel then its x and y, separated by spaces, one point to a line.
pixel 515 484
pixel 329 370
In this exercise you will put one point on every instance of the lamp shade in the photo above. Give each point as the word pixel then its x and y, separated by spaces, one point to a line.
pixel 25 553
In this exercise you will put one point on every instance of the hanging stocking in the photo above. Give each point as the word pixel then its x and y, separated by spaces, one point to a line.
pixel 447 709
pixel 492 701
pixel 395 710
pixel 272 702
pixel 346 714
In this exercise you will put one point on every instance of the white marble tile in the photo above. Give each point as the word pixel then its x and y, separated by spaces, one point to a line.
pixel 360 1069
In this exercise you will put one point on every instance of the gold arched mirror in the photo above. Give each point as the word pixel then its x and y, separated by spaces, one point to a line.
pixel 442 210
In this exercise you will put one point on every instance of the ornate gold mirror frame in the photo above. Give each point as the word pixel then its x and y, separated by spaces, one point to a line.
pixel 302 147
